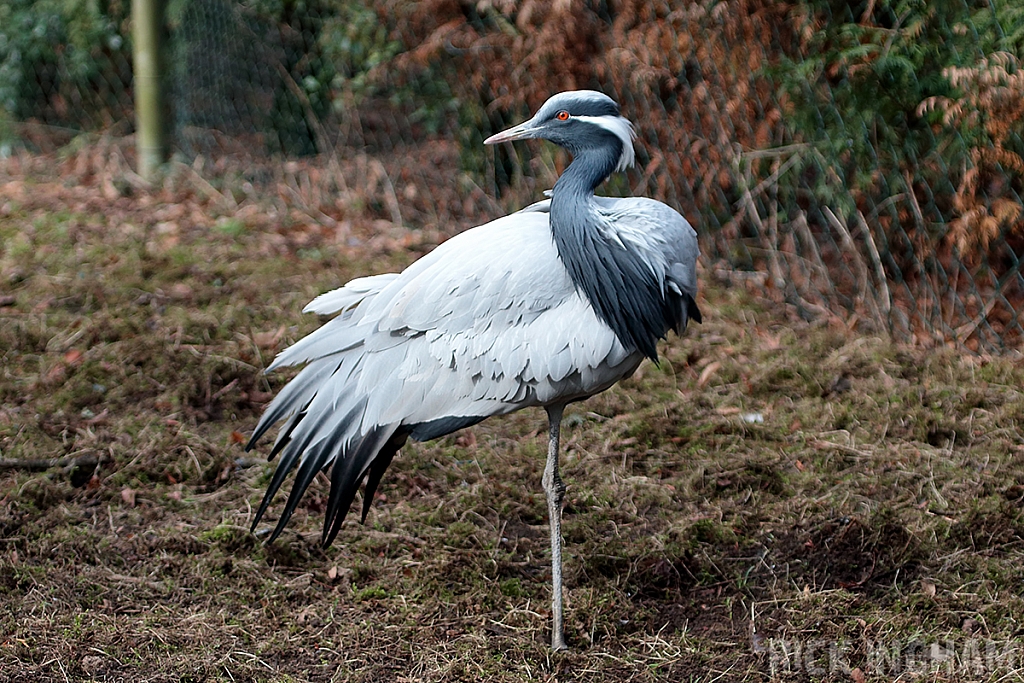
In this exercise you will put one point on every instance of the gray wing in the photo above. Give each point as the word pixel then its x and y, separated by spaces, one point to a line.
pixel 487 323
pixel 668 242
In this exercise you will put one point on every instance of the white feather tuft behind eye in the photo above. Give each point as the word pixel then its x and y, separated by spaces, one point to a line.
pixel 623 129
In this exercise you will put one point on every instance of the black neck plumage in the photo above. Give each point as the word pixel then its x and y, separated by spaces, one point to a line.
pixel 620 286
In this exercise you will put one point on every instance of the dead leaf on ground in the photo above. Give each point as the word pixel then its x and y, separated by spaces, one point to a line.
pixel 270 338
pixel 706 373
pixel 182 291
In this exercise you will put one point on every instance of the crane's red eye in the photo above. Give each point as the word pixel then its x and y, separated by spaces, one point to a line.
pixel 562 115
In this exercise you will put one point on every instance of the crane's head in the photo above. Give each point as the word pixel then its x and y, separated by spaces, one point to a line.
pixel 578 120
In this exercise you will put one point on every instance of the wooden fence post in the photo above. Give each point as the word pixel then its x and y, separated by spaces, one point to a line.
pixel 147 29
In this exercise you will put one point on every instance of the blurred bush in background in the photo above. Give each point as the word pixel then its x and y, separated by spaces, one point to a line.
pixel 861 160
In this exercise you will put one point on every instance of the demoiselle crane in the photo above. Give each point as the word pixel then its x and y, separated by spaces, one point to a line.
pixel 543 307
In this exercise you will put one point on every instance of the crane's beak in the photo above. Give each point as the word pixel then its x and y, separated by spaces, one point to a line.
pixel 527 129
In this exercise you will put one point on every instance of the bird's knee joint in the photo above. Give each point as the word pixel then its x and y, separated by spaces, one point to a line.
pixel 554 486
pixel 556 490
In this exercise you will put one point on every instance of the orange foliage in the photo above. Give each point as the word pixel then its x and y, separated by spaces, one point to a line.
pixel 993 99
pixel 696 98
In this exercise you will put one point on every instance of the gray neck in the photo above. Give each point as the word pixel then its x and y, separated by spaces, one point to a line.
pixel 617 282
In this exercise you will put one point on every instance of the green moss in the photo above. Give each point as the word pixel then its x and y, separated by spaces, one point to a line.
pixel 370 593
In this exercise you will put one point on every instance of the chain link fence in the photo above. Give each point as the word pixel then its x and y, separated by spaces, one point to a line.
pixel 860 161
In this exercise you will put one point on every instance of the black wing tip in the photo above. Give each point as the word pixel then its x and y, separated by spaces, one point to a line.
pixel 692 310
pixel 346 476
pixel 264 504
pixel 365 460
pixel 257 434
pixel 435 429
pixel 278 529
pixel 687 312
pixel 282 522
pixel 332 527
pixel 377 468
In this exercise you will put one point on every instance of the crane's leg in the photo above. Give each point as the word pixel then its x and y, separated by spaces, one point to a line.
pixel 555 490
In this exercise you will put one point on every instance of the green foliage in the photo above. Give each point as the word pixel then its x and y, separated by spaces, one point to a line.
pixel 311 60
pixel 56 53
pixel 364 47
pixel 356 41
pixel 255 66
pixel 862 71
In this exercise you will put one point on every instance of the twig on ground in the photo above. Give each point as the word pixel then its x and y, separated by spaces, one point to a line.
pixel 876 260
pixel 967 329
pixel 818 263
pixel 42 464
pixel 822 445
pixel 862 269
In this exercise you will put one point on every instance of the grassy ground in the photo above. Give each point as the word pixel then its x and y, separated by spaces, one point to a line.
pixel 776 501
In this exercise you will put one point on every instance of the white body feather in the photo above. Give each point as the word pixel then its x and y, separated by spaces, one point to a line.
pixel 473 328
